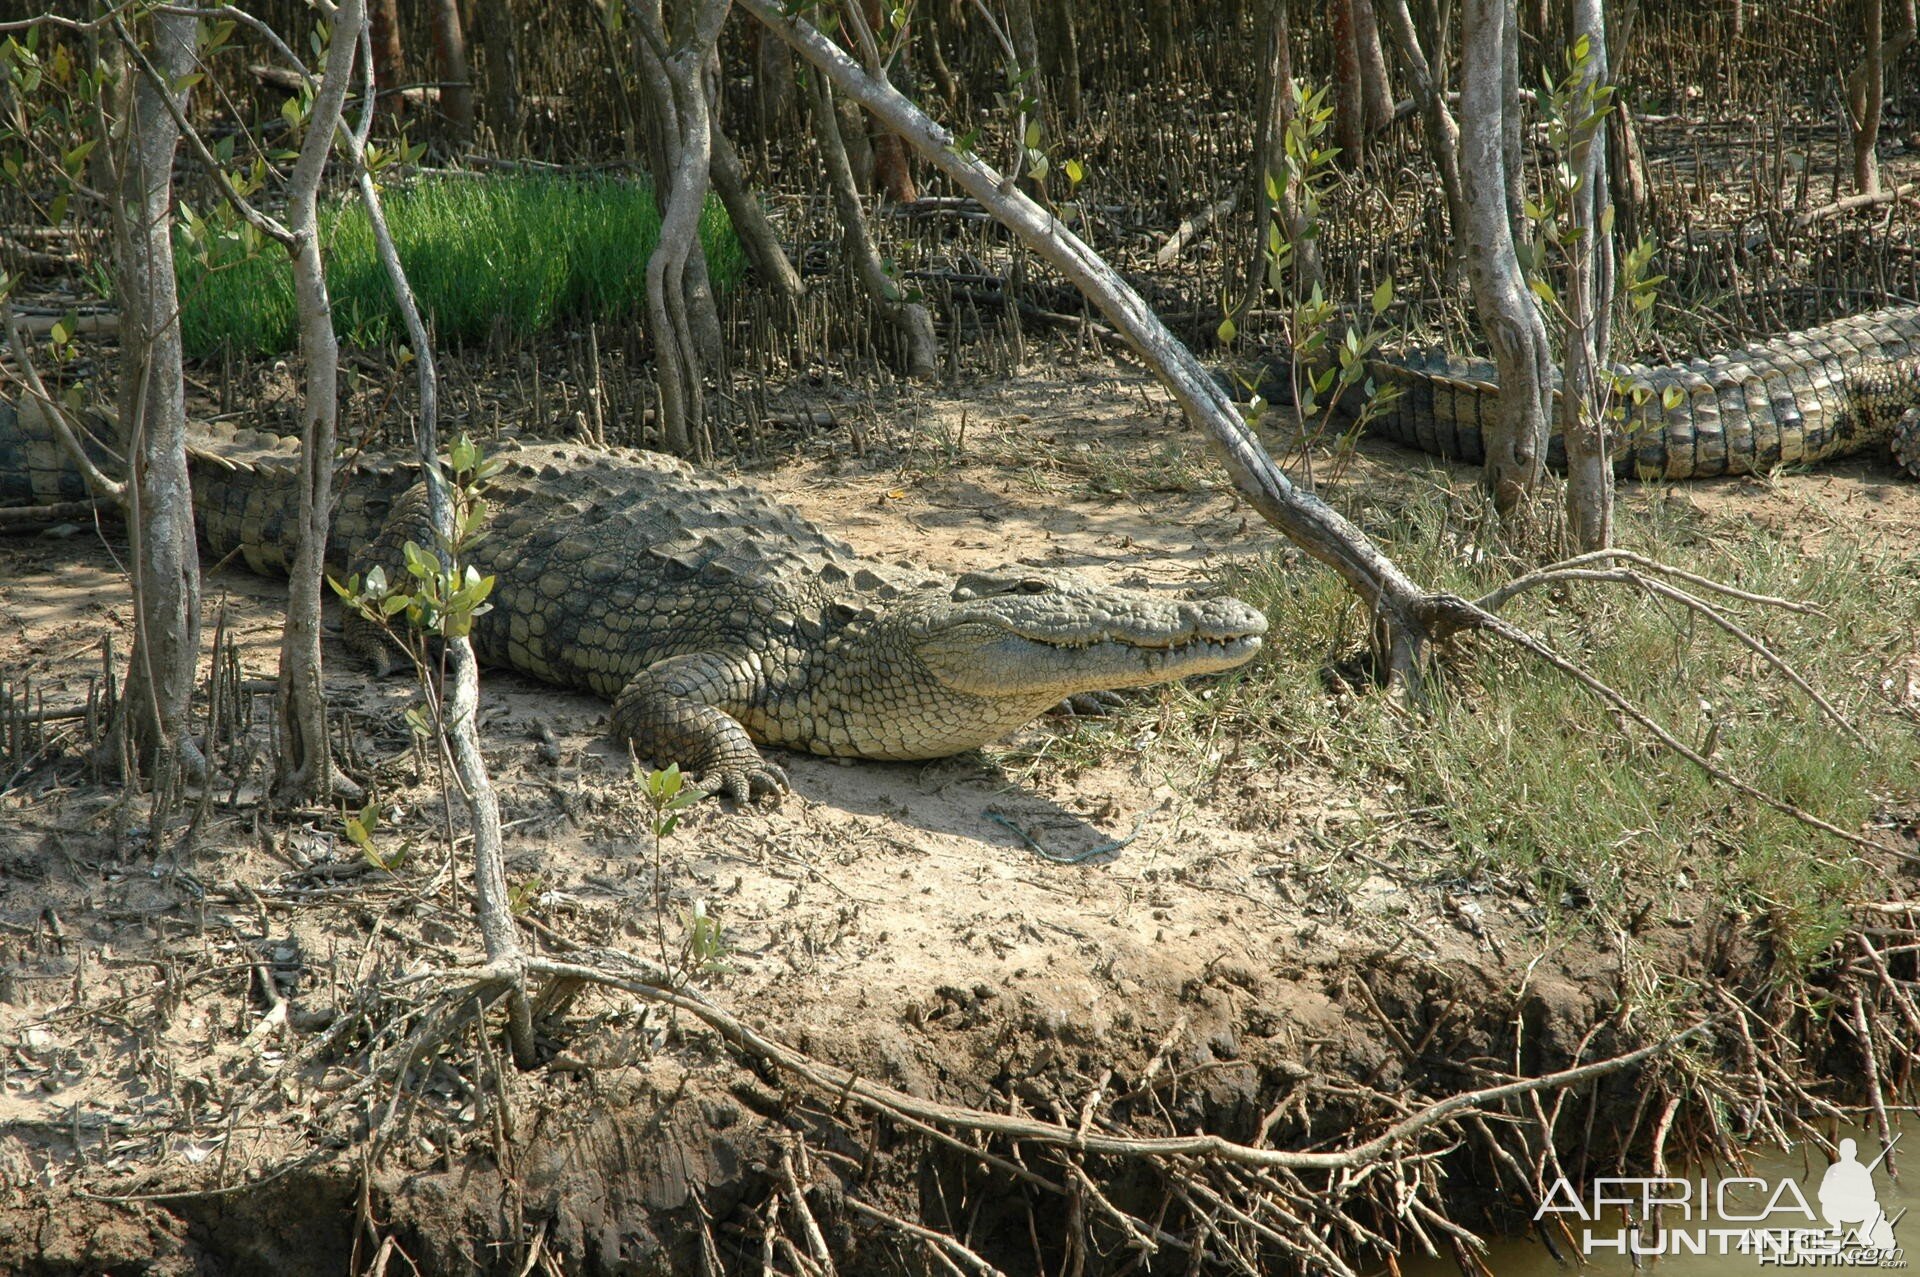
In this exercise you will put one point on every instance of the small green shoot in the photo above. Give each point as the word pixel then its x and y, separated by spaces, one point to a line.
pixel 360 830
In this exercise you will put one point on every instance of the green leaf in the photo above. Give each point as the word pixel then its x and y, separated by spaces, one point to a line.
pixel 1383 296
pixel 1041 167
pixel 1034 134
pixel 1227 332
pixel 217 35
pixel 1075 174
pixel 359 830
pixel 1672 397
pixel 475 516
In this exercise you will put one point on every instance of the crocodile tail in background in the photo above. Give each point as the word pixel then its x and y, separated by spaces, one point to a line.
pixel 1800 398
pixel 245 486
pixel 34 468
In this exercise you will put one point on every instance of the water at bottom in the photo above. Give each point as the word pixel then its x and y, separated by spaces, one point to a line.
pixel 1780 1213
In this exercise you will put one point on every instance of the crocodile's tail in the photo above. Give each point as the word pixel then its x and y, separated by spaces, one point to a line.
pixel 34 468
pixel 245 485
pixel 1796 399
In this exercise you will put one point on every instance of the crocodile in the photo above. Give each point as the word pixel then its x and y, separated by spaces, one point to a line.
pixel 1808 396
pixel 713 617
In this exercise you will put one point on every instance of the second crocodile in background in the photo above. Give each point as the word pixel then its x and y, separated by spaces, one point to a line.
pixel 1846 387
pixel 712 616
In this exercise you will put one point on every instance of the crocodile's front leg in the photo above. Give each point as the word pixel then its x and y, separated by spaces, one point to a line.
pixel 674 711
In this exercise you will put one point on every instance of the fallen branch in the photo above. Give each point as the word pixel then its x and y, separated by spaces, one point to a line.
pixel 1660 589
pixel 1492 600
pixel 1190 229
pixel 21 518
pixel 1854 204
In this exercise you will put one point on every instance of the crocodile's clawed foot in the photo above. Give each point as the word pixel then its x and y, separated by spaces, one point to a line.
pixel 1090 704
pixel 745 781
pixel 1906 442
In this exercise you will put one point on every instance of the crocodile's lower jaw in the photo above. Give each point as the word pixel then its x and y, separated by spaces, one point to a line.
pixel 1197 656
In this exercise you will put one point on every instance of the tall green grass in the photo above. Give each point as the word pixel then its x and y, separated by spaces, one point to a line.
pixel 519 251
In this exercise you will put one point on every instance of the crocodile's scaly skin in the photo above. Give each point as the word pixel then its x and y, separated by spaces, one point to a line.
pixel 1824 392
pixel 712 616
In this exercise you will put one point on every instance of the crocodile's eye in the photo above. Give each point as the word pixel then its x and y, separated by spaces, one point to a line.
pixel 1033 585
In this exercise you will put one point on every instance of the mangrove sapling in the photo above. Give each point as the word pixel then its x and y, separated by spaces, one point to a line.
pixel 438 603
pixel 1576 125
pixel 668 796
pixel 1274 113
pixel 1326 367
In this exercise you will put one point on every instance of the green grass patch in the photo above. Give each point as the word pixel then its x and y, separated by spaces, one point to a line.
pixel 1518 773
pixel 522 252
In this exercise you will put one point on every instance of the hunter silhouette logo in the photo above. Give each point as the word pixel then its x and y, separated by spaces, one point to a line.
pixel 1847 1197
pixel 1770 1220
